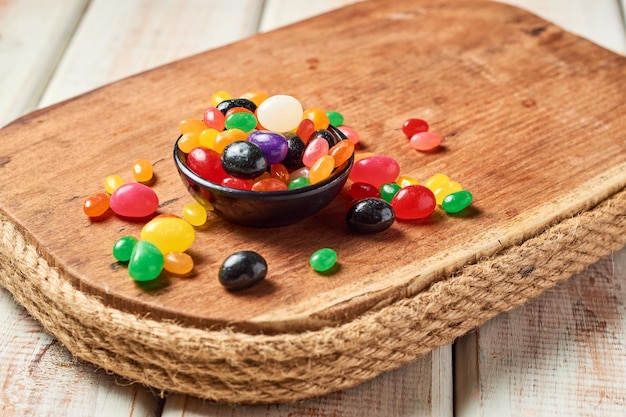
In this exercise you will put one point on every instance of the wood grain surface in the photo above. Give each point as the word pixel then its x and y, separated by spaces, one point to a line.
pixel 514 102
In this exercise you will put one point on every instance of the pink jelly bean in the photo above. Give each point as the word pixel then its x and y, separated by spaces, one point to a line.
pixel 425 141
pixel 316 148
pixel 376 170
pixel 135 200
pixel 352 135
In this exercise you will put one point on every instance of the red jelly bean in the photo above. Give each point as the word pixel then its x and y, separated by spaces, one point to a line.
pixel 425 141
pixel 376 170
pixel 412 126
pixel 239 183
pixel 413 202
pixel 134 199
pixel 269 184
pixel 305 130
pixel 214 118
pixel 359 190
pixel 206 163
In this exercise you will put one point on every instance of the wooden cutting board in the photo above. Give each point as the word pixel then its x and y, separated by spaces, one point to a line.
pixel 533 120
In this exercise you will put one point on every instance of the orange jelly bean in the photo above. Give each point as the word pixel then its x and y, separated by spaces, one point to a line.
pixel 179 263
pixel 318 116
pixel 191 125
pixel 269 184
pixel 227 137
pixel 321 169
pixel 280 172
pixel 341 152
pixel 142 170
pixel 96 205
pixel 255 96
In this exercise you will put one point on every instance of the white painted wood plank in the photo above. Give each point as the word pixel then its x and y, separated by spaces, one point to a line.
pixel 33 36
pixel 39 378
pixel 563 354
pixel 123 37
pixel 418 389
pixel 597 20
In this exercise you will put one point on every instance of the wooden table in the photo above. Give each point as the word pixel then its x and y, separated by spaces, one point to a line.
pixel 564 353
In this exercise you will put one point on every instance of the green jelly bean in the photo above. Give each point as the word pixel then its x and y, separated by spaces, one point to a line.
pixel 241 120
pixel 298 183
pixel 123 248
pixel 335 118
pixel 456 202
pixel 387 191
pixel 146 261
pixel 323 259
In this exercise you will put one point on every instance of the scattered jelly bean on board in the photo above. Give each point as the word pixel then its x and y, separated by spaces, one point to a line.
pixel 388 191
pixel 195 214
pixel 96 205
pixel 244 159
pixel 123 248
pixel 350 133
pixel 341 152
pixel 376 170
pixel 280 113
pixel 134 200
pixel 207 164
pixel 321 169
pixel 323 260
pixel 241 270
pixel 370 215
pixel 457 201
pixel 169 234
pixel 112 183
pixel 444 190
pixel 412 126
pixel 360 190
pixel 335 118
pixel 274 145
pixel 425 141
pixel 316 148
pixel 404 180
pixel 213 118
pixel 413 202
pixel 146 262
pixel 179 263
pixel 142 170
pixel 188 141
pixel 436 181
pixel 317 116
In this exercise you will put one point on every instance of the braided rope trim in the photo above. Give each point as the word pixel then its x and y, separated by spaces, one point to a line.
pixel 234 367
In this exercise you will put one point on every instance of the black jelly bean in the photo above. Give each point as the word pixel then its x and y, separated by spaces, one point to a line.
pixel 243 159
pixel 327 135
pixel 295 150
pixel 242 269
pixel 226 105
pixel 370 215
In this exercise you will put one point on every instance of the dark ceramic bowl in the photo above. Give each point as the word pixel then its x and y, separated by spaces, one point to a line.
pixel 263 208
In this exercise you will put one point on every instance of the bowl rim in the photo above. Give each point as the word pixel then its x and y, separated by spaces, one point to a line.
pixel 341 172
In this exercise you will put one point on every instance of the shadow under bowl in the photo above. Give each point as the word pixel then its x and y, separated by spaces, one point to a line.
pixel 263 208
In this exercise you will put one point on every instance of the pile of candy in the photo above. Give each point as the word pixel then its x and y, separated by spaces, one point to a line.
pixel 265 143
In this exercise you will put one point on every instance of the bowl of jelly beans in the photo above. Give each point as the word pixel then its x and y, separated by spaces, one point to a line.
pixel 265 164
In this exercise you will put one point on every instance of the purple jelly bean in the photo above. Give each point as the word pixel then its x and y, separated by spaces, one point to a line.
pixel 273 144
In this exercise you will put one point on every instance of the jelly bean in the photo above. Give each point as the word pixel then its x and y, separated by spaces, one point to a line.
pixel 425 141
pixel 316 148
pixel 207 164
pixel 323 260
pixel 263 176
pixel 269 184
pixel 360 190
pixel 142 170
pixel 194 213
pixel 327 135
pixel 244 159
pixel 335 118
pixel 208 137
pixel 226 137
pixel 370 215
pixel 242 269
pixel 413 202
pixel 305 130
pixel 112 183
pixel 388 191
pixel 437 181
pixel 178 263
pixel 255 96
pixel 134 200
pixel 404 180
pixel 280 113
pixel 191 125
pixel 295 150
pixel 280 172
pixel 317 116
pixel 341 152
pixel 213 118
pixel 376 170
pixel 350 133
pixel 188 141
pixel 273 144
pixel 96 205
pixel 226 105
pixel 321 169
pixel 123 248
pixel 299 173
pixel 234 110
pixel 238 183
pixel 169 234
pixel 457 201
pixel 412 126
pixel 146 262
pixel 219 96
pixel 444 190
pixel 298 182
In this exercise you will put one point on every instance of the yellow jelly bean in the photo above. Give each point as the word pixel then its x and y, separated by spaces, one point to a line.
pixel 436 181
pixel 405 180
pixel 194 213
pixel 112 183
pixel 445 190
pixel 169 234
pixel 207 138
pixel 178 263
pixel 219 96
